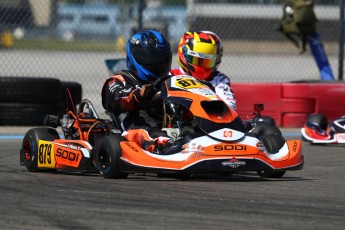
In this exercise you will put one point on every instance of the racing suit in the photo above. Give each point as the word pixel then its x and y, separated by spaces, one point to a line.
pixel 221 84
pixel 122 96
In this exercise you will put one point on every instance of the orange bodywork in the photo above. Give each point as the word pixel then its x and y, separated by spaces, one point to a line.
pixel 196 98
pixel 61 153
pixel 69 156
pixel 133 154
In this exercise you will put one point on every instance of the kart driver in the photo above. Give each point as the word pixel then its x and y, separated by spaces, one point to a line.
pixel 128 92
pixel 199 55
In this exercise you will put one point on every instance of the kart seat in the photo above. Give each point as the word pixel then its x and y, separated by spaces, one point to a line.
pixel 127 120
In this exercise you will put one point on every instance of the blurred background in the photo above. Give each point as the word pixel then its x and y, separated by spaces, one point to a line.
pixel 71 39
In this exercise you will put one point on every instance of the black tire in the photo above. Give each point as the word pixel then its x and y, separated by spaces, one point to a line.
pixel 74 88
pixel 271 130
pixel 273 143
pixel 29 89
pixel 271 174
pixel 25 113
pixel 318 119
pixel 264 120
pixel 30 145
pixel 107 157
pixel 61 109
pixel 265 129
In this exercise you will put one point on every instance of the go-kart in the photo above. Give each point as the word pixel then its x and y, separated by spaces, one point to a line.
pixel 206 137
pixel 317 130
pixel 43 149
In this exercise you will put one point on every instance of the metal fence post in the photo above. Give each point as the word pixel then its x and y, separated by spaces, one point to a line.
pixel 341 40
pixel 142 5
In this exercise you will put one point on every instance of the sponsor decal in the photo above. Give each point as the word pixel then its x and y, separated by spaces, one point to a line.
pixel 294 147
pixel 134 41
pixel 230 147
pixel 341 136
pixel 227 133
pixel 73 146
pixel 68 157
pixel 233 163
pixel 181 76
pixel 46 157
pixel 111 82
pixel 131 147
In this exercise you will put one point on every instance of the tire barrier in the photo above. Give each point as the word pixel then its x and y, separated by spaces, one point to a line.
pixel 22 89
pixel 25 101
pixel 291 103
pixel 74 88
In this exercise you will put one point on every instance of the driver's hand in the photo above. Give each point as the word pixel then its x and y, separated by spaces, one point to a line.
pixel 143 94
pixel 147 92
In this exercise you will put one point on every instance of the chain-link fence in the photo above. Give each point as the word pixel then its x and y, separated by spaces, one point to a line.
pixel 70 39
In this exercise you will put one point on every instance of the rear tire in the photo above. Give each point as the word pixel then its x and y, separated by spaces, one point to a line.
pixel 107 157
pixel 30 145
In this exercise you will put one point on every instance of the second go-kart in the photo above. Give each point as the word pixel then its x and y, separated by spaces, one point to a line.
pixel 206 137
pixel 317 130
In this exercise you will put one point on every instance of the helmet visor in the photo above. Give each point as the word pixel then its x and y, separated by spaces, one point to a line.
pixel 200 59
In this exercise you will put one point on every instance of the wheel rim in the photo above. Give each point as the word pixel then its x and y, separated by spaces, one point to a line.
pixel 103 159
pixel 27 150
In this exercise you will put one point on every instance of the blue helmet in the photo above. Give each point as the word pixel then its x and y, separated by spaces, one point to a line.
pixel 149 55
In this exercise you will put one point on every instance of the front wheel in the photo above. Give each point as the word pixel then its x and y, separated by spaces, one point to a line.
pixel 271 174
pixel 319 120
pixel 272 142
pixel 107 157
pixel 30 146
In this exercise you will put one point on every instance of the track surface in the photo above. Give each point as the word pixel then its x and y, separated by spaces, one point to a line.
pixel 309 199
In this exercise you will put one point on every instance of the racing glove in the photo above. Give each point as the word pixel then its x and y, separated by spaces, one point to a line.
pixel 145 93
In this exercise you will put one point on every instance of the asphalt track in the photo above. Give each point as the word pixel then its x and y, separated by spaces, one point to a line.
pixel 312 198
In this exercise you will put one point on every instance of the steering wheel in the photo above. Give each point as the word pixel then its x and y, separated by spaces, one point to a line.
pixel 158 82
pixel 153 111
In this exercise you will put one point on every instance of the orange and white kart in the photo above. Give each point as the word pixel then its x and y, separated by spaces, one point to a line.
pixel 43 149
pixel 317 130
pixel 207 137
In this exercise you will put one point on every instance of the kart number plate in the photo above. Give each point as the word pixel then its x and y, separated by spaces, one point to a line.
pixel 46 158
pixel 188 83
